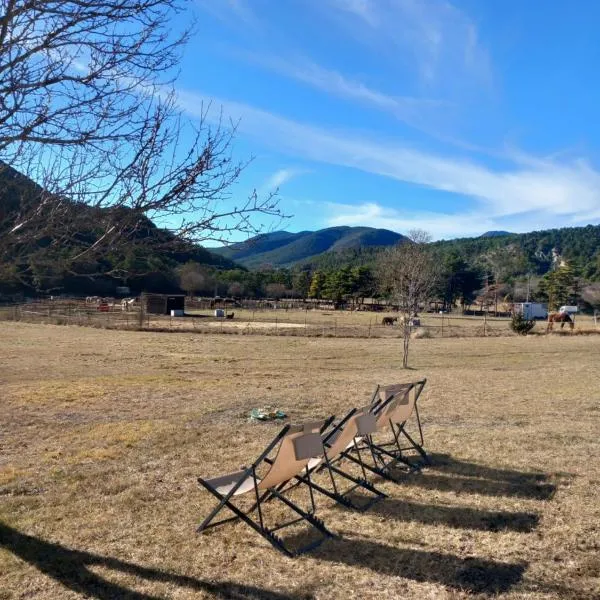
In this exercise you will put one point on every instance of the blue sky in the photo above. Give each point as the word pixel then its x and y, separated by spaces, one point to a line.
pixel 454 118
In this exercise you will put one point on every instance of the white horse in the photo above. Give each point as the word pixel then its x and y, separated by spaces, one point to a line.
pixel 127 303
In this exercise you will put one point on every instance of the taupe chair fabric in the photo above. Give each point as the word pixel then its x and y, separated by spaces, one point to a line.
pixel 357 424
pixel 398 403
pixel 296 447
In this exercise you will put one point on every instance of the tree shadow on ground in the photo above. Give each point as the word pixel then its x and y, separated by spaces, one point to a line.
pixel 474 575
pixel 71 569
pixel 459 517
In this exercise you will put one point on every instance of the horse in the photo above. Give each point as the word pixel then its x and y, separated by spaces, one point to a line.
pixel 229 315
pixel 560 317
pixel 389 320
pixel 128 303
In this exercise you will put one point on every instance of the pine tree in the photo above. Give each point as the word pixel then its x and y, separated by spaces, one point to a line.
pixel 559 286
pixel 316 285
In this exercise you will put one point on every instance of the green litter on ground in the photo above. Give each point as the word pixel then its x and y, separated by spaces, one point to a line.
pixel 266 413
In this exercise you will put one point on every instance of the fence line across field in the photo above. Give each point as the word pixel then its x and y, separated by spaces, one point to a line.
pixel 263 322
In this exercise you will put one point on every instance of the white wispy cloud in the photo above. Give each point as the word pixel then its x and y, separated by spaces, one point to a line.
pixel 439 225
pixel 436 35
pixel 280 177
pixel 552 190
pixel 237 13
pixel 364 9
pixel 446 225
pixel 414 111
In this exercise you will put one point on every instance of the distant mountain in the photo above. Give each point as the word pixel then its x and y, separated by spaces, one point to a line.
pixel 495 234
pixel 285 249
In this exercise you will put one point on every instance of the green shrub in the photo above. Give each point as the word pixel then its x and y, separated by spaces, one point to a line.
pixel 519 324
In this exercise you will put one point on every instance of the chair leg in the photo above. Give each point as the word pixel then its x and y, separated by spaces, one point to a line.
pixel 267 533
pixel 418 447
pixel 341 497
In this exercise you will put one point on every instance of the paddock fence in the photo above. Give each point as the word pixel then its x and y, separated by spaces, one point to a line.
pixel 266 321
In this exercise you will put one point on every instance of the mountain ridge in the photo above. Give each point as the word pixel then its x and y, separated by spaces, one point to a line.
pixel 284 249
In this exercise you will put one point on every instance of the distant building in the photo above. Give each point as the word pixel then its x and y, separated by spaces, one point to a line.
pixel 163 304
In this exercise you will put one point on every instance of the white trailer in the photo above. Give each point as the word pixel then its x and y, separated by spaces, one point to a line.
pixel 571 310
pixel 532 310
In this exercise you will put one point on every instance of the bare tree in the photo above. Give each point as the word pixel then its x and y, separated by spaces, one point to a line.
pixel 193 278
pixel 88 112
pixel 235 289
pixel 591 295
pixel 276 290
pixel 407 273
pixel 503 262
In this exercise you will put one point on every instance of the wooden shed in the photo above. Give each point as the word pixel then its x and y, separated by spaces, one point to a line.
pixel 163 304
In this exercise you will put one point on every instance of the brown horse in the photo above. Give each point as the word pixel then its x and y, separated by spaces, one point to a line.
pixel 560 317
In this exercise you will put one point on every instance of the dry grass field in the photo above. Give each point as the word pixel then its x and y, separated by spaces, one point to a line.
pixel 103 433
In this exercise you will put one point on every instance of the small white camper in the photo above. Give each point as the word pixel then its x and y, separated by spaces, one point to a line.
pixel 570 310
pixel 532 310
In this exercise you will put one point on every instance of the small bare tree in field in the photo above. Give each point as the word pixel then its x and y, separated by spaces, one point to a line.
pixel 193 278
pixel 407 274
pixel 89 112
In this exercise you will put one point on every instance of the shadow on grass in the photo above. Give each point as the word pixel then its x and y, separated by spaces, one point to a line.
pixel 70 568
pixel 474 575
pixel 447 463
pixel 459 517
pixel 486 487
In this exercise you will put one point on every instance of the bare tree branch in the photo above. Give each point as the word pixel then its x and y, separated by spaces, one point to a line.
pixel 88 112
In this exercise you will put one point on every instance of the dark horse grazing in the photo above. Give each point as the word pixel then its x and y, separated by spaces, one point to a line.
pixel 229 315
pixel 389 320
pixel 562 318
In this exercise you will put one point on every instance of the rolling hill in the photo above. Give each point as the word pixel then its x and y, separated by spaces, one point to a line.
pixel 285 249
pixel 148 253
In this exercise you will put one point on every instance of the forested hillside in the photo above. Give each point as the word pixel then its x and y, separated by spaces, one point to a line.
pixel 149 262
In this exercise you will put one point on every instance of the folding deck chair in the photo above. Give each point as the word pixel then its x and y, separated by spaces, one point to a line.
pixel 356 425
pixel 390 406
pixel 402 415
pixel 297 445
pixel 395 405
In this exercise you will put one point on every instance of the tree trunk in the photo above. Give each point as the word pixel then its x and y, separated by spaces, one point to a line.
pixel 406 343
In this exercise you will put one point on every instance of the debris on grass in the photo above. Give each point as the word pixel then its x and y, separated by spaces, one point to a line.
pixel 266 413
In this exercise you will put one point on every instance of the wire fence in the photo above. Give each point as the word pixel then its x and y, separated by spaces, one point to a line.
pixel 308 323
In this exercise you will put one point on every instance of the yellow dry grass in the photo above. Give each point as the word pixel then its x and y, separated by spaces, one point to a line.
pixel 103 433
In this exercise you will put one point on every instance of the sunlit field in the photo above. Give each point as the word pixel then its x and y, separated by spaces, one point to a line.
pixel 104 433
